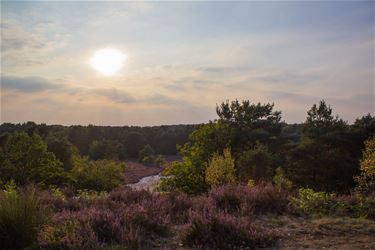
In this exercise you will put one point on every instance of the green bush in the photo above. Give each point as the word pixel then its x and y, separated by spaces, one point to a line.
pixel 21 217
pixel 310 202
pixel 280 180
pixel 103 175
pixel 25 160
pixel 221 169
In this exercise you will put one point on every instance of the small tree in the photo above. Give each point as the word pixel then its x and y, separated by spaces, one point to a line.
pixel 280 180
pixel 159 160
pixel 25 159
pixel 366 179
pixel 146 155
pixel 221 169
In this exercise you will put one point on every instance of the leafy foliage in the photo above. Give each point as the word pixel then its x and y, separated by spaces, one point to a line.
pixel 366 179
pixel 281 181
pixel 25 159
pixel 103 175
pixel 104 149
pixel 21 216
pixel 221 169
pixel 255 164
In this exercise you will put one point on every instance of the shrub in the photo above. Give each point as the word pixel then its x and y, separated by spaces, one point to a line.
pixel 357 206
pixel 255 164
pixel 25 160
pixel 21 217
pixel 103 175
pixel 183 177
pixel 159 160
pixel 221 169
pixel 310 202
pixel 147 155
pixel 260 199
pixel 223 231
pixel 366 179
pixel 113 220
pixel 280 180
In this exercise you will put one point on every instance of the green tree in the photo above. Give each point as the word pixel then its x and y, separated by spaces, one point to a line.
pixel 249 123
pixel 281 181
pixel 147 155
pixel 366 179
pixel 239 126
pixel 103 175
pixel 320 121
pixel 255 164
pixel 104 149
pixel 184 177
pixel 134 142
pixel 324 159
pixel 25 159
pixel 221 169
pixel 63 150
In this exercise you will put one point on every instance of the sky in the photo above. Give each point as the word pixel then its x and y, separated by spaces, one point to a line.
pixel 184 58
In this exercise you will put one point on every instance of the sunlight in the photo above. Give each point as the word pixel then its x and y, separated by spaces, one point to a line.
pixel 108 61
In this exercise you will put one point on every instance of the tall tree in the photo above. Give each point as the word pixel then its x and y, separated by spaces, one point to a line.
pixel 25 159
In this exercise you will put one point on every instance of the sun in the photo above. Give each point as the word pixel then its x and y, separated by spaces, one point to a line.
pixel 108 61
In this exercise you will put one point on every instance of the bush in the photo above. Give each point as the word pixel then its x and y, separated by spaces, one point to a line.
pixel 366 179
pixel 21 217
pixel 357 206
pixel 25 160
pixel 110 223
pixel 223 231
pixel 103 175
pixel 183 177
pixel 221 169
pixel 310 202
pixel 260 199
pixel 280 180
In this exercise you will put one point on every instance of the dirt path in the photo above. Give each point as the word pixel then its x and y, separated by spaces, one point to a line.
pixel 324 233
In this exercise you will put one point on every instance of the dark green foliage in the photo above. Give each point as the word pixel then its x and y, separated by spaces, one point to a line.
pixel 104 149
pixel 134 142
pixel 103 175
pixel 147 155
pixel 21 217
pixel 255 164
pixel 183 177
pixel 63 150
pixel 327 157
pixel 239 127
pixel 25 159
pixel 309 202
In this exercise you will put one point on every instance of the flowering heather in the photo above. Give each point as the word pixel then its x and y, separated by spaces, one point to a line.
pixel 224 218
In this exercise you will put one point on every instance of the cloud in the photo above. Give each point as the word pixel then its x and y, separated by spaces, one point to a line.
pixel 121 96
pixel 116 95
pixel 23 46
pixel 225 69
pixel 28 84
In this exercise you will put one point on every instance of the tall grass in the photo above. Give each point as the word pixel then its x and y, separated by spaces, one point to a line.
pixel 21 217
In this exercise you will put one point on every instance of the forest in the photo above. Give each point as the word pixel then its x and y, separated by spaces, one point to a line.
pixel 242 180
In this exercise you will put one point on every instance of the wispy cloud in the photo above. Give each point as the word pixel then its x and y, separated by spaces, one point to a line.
pixel 27 84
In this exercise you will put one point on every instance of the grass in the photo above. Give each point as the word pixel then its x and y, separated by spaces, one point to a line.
pixel 21 217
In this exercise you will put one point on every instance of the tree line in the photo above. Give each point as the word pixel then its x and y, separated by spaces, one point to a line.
pixel 249 143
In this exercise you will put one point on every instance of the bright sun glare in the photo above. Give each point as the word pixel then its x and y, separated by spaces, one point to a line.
pixel 108 61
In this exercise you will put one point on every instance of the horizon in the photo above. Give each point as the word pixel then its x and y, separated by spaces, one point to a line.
pixel 171 63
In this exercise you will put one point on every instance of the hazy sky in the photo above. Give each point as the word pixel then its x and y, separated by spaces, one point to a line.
pixel 183 58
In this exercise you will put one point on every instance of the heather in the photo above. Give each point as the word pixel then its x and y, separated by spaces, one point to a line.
pixel 226 217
